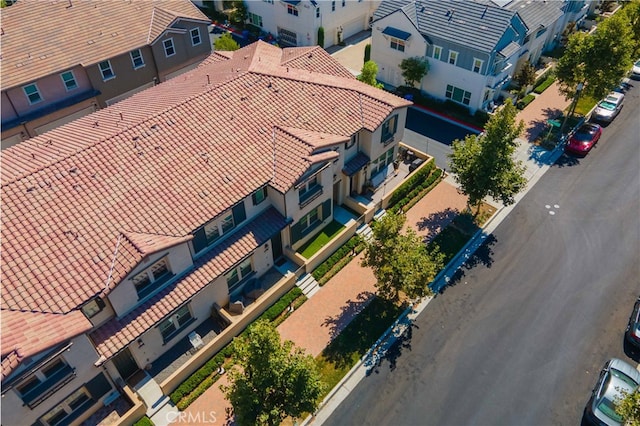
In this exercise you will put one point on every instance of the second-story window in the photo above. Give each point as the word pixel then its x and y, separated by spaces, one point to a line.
pixel 69 80
pixel 149 280
pixel 44 381
pixel 169 49
pixel 352 142
pixel 344 3
pixel 333 6
pixel 317 12
pixel 477 65
pixel 136 59
pixel 437 52
pixel 170 327
pixel 239 273
pixel 292 10
pixel 195 36
pixel 32 93
pixel 453 57
pixel 255 19
pixel 216 228
pixel 397 44
pixel 389 129
pixel 309 191
pixel 259 196
pixel 106 70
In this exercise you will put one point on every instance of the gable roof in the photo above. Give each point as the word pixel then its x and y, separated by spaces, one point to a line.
pixel 476 25
pixel 536 14
pixel 164 162
pixel 40 38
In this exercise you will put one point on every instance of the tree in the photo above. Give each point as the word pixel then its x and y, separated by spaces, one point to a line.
pixel 321 37
pixel 629 408
pixel 414 69
pixel 239 14
pixel 367 52
pixel 400 261
pixel 526 75
pixel 368 74
pixel 484 166
pixel 274 379
pixel 225 42
pixel 631 9
pixel 597 61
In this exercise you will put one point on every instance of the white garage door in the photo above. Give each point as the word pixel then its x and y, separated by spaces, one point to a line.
pixel 353 27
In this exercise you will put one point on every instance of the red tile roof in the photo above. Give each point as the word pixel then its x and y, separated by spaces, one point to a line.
pixel 78 202
pixel 45 37
pixel 116 334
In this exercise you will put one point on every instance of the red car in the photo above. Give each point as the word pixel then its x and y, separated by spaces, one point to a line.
pixel 584 139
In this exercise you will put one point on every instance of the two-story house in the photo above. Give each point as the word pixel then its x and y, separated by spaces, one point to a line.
pixel 296 22
pixel 124 229
pixel 64 59
pixel 471 47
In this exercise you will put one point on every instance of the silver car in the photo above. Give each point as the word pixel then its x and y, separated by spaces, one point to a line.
pixel 616 377
pixel 609 107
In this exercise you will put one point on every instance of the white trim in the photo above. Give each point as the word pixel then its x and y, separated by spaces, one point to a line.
pixel 73 76
pixel 453 53
pixel 40 98
pixel 113 74
pixel 133 62
pixel 473 67
pixel 433 54
pixel 164 46
pixel 199 36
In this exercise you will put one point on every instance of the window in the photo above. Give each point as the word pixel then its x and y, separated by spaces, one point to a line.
pixel 380 163
pixel 69 80
pixel 309 191
pixel 458 95
pixel 333 6
pixel 255 19
pixel 93 307
pixel 397 44
pixel 152 278
pixel 344 3
pixel 437 52
pixel 136 59
pixel 310 221
pixel 106 70
pixel 32 93
pixel 62 413
pixel 44 381
pixel 389 129
pixel 317 12
pixel 477 65
pixel 195 36
pixel 352 142
pixel 287 38
pixel 216 228
pixel 259 196
pixel 169 50
pixel 170 327
pixel 227 224
pixel 292 10
pixel 239 273
pixel 453 57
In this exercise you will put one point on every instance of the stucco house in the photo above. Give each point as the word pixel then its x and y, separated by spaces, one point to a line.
pixel 126 229
pixel 63 59
pixel 296 22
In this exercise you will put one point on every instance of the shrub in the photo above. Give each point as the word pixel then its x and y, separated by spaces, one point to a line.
pixel 352 245
pixel 144 421
pixel 412 196
pixel 277 308
pixel 415 180
pixel 367 52
pixel 545 84
pixel 522 103
pixel 321 36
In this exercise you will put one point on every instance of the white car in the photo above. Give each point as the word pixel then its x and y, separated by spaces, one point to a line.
pixel 617 377
pixel 635 71
pixel 609 107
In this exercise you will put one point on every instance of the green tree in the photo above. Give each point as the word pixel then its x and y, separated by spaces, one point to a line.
pixel 367 52
pixel 484 166
pixel 400 261
pixel 225 42
pixel 368 74
pixel 629 408
pixel 413 70
pixel 274 379
pixel 239 14
pixel 321 36
pixel 598 61
pixel 631 9
pixel 526 75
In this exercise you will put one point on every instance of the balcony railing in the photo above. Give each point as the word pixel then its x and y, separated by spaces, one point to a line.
pixel 42 391
pixel 313 193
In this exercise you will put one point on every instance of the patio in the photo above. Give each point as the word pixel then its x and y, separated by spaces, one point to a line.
pixel 392 180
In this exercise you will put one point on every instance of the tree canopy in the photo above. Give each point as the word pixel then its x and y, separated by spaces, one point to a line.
pixel 414 69
pixel 599 60
pixel 225 42
pixel 400 261
pixel 526 75
pixel 629 408
pixel 368 74
pixel 274 379
pixel 483 165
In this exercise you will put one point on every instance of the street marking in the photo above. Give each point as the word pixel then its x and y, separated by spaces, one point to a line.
pixel 556 206
pixel 551 212
pixel 547 206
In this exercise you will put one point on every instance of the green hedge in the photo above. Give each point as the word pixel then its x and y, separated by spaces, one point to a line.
pixel 415 191
pixel 522 103
pixel 344 250
pixel 545 84
pixel 145 421
pixel 411 183
pixel 205 376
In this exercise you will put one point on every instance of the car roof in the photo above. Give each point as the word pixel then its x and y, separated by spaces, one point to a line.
pixel 627 369
pixel 614 97
pixel 588 127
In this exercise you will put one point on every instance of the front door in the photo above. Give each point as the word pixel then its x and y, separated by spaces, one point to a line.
pixel 276 247
pixel 126 364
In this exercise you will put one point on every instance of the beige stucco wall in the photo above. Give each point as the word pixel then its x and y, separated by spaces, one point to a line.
pixel 186 54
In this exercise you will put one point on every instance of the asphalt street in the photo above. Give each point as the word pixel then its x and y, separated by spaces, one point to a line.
pixel 520 336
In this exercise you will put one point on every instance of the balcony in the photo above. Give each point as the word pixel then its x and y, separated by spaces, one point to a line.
pixel 311 194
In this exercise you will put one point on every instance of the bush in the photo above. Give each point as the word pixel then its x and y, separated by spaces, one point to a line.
pixel 321 36
pixel 145 421
pixel 412 196
pixel 354 244
pixel 544 85
pixel 277 308
pixel 411 183
pixel 522 103
pixel 367 52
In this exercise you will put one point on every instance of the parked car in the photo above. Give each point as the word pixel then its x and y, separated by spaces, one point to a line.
pixel 584 139
pixel 609 107
pixel 635 71
pixel 633 328
pixel 615 378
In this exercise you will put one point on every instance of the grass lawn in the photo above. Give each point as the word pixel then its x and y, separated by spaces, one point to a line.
pixel 585 103
pixel 312 246
pixel 355 340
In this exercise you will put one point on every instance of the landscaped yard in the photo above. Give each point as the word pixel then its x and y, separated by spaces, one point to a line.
pixel 584 105
pixel 312 246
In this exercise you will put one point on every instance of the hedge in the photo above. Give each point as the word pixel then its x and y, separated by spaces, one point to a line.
pixel 522 103
pixel 415 180
pixel 544 85
pixel 204 377
pixel 414 192
pixel 144 421
pixel 352 245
